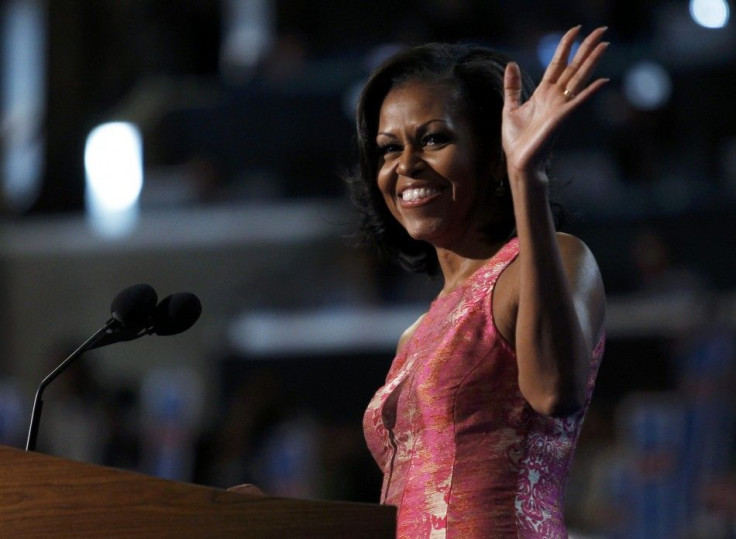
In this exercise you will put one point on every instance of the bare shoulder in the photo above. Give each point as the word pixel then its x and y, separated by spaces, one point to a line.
pixel 577 257
pixel 573 246
pixel 409 333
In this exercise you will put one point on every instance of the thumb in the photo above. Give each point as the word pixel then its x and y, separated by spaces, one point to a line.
pixel 512 86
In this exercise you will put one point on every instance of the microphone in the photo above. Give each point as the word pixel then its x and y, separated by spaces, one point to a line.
pixel 175 313
pixel 130 310
pixel 133 306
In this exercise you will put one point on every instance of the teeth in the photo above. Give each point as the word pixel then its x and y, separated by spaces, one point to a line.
pixel 416 194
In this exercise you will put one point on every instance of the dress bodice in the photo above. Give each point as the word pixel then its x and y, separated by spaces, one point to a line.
pixel 461 451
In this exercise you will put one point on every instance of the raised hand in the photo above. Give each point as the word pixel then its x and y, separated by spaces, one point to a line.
pixel 528 130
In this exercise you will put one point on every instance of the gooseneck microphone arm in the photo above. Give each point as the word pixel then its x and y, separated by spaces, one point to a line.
pixel 131 311
pixel 135 313
pixel 38 401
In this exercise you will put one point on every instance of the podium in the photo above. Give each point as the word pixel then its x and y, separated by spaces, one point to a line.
pixel 47 496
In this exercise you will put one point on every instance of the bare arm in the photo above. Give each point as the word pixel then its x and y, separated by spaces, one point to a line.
pixel 559 320
pixel 561 302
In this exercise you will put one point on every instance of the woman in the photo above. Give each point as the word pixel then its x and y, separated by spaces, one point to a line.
pixel 475 427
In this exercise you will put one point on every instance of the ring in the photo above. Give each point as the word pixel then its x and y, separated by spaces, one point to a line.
pixel 568 94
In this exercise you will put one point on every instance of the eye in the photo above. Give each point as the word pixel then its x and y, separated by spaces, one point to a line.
pixel 435 139
pixel 389 148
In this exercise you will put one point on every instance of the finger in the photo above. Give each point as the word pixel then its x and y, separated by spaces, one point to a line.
pixel 562 53
pixel 512 86
pixel 249 489
pixel 586 93
pixel 587 48
pixel 583 74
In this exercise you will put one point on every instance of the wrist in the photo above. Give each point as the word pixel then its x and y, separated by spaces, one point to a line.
pixel 530 196
pixel 534 181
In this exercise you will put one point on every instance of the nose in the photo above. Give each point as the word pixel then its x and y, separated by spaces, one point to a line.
pixel 409 162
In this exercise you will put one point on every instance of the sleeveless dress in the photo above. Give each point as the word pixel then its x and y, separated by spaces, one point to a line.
pixel 463 454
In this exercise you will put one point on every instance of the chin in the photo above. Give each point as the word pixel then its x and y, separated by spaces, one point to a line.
pixel 423 233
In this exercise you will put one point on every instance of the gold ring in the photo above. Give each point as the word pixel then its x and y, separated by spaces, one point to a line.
pixel 568 94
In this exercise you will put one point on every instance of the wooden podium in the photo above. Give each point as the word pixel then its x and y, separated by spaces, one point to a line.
pixel 42 496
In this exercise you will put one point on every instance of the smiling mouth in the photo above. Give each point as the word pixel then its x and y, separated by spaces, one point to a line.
pixel 419 194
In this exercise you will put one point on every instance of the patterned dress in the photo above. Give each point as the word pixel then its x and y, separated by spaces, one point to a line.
pixel 463 455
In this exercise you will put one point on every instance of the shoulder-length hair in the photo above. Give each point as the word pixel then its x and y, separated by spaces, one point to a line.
pixel 477 74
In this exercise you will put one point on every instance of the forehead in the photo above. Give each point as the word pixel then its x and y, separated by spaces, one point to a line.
pixel 418 102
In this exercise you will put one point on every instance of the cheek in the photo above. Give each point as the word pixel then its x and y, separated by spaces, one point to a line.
pixel 386 184
pixel 464 179
pixel 381 181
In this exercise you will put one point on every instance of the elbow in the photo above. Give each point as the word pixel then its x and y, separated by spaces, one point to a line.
pixel 562 407
pixel 559 403
pixel 558 392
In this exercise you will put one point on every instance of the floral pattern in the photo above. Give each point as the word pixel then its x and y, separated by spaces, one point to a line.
pixel 462 453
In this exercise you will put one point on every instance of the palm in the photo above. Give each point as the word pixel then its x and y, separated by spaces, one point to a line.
pixel 528 130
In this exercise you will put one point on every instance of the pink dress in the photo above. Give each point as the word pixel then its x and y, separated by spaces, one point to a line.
pixel 463 455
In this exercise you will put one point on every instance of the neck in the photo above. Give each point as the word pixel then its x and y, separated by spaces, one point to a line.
pixel 458 266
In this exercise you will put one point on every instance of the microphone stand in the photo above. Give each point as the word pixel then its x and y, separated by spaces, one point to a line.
pixel 175 313
pixel 38 402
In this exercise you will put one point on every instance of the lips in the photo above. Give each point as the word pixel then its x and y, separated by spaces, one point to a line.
pixel 410 195
pixel 416 196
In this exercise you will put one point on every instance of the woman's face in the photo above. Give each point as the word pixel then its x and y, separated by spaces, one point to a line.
pixel 428 169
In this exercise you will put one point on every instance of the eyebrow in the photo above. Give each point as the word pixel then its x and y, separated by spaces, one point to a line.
pixel 419 128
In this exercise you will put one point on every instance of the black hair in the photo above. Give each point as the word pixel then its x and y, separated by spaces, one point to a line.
pixel 477 74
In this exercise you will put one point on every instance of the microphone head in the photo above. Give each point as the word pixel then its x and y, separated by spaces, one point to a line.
pixel 176 313
pixel 132 307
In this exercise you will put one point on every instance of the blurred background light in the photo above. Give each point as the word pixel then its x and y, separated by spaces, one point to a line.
pixel 22 86
pixel 710 13
pixel 248 33
pixel 113 162
pixel 647 85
